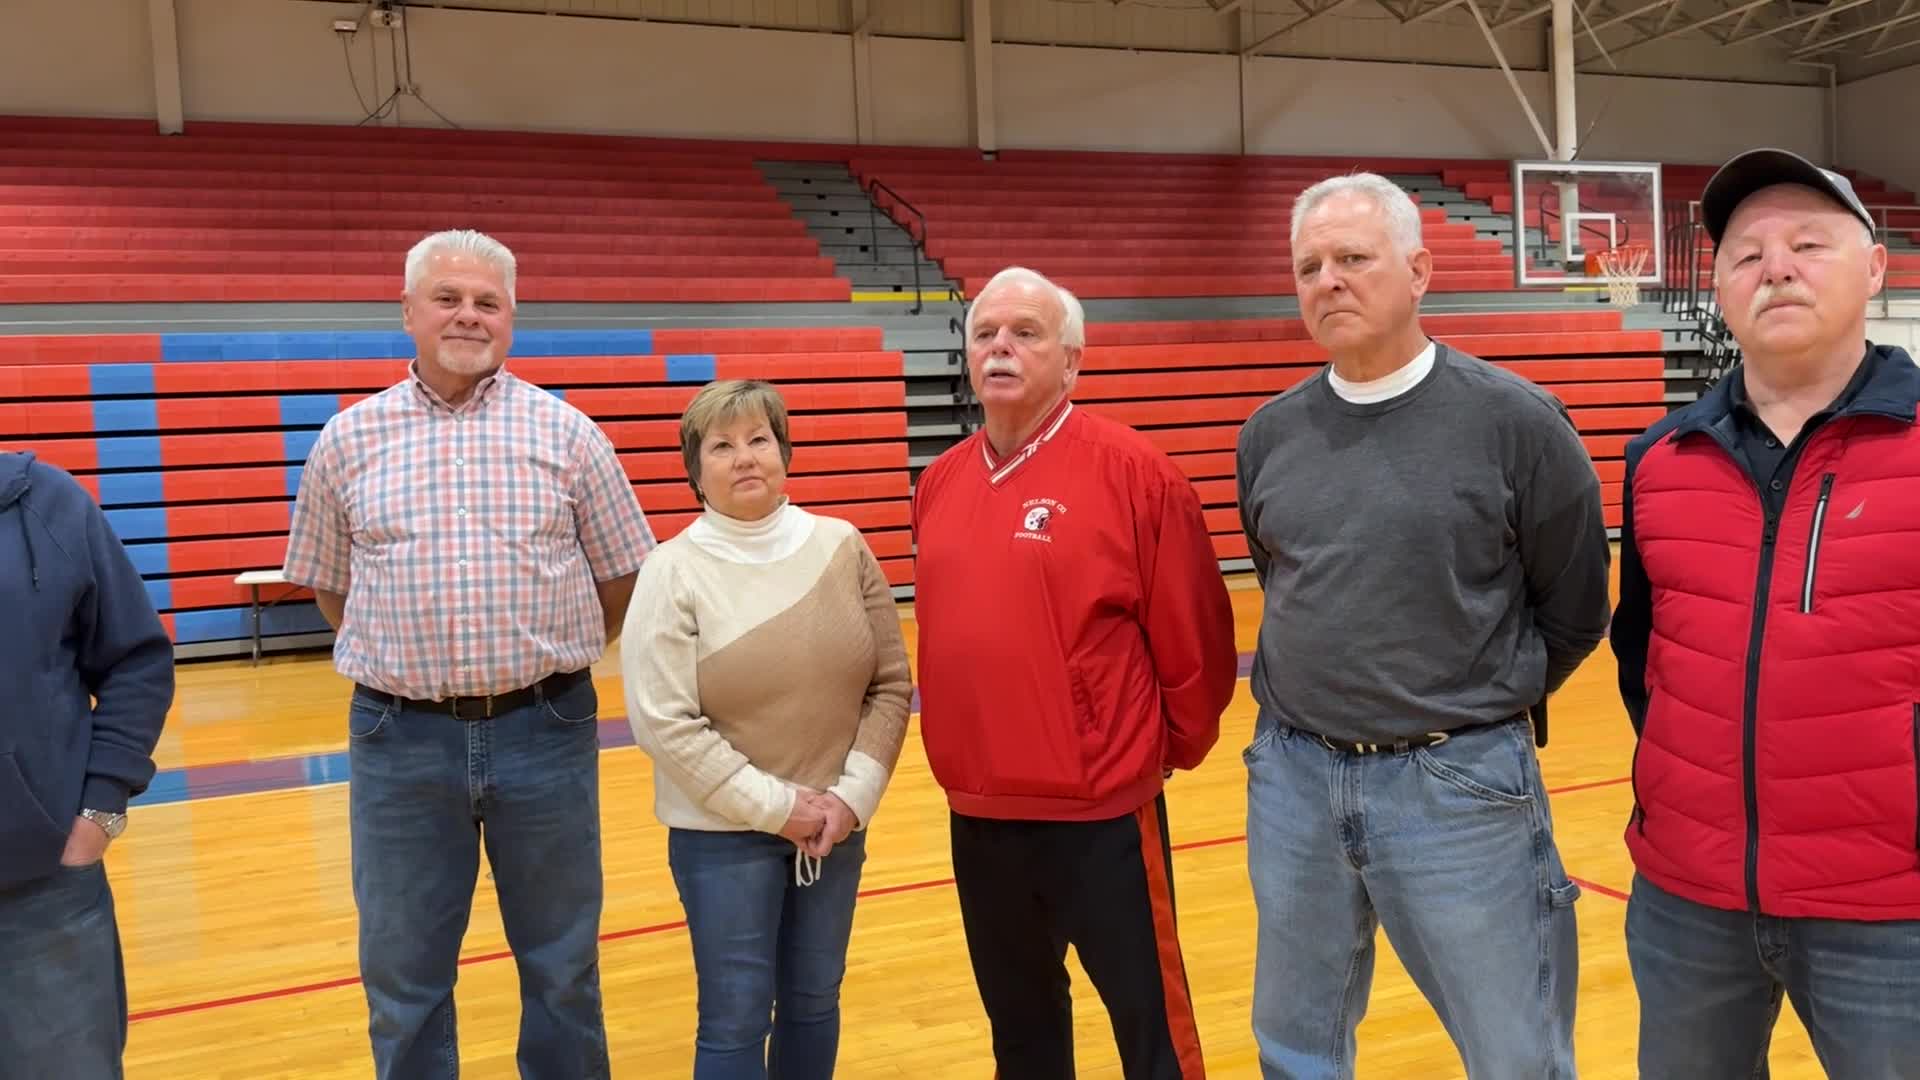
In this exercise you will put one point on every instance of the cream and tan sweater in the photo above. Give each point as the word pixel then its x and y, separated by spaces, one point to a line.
pixel 759 656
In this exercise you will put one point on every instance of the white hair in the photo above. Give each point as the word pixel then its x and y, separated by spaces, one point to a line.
pixel 1403 217
pixel 1073 321
pixel 461 242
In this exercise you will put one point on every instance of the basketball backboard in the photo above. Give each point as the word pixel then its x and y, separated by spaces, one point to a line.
pixel 1571 219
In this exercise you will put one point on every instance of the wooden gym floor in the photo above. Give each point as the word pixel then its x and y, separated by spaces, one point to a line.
pixel 238 923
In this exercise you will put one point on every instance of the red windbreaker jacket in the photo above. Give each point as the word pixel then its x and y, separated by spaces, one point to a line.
pixel 1075 634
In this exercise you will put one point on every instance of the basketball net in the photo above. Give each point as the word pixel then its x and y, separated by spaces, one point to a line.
pixel 1622 267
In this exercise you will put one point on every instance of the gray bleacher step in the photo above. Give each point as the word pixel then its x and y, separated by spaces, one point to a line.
pixel 903 276
pixel 814 204
pixel 1486 220
pixel 781 170
pixel 888 254
pixel 933 401
pixel 819 186
pixel 931 431
pixel 830 208
pixel 856 229
pixel 922 362
pixel 925 346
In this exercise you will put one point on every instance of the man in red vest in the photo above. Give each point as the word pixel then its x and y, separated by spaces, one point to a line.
pixel 1768 633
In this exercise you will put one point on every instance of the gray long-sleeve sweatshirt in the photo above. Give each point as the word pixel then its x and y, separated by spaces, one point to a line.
pixel 1431 561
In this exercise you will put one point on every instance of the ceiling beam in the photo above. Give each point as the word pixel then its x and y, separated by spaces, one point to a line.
pixel 1823 46
pixel 1644 9
pixel 1816 17
pixel 1905 6
pixel 1696 24
pixel 1528 15
pixel 1734 34
pixel 1312 14
pixel 1447 5
pixel 1896 47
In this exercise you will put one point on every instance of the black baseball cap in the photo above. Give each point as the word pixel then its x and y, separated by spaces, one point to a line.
pixel 1756 169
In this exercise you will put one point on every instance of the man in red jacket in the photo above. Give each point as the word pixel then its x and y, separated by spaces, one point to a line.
pixel 1768 633
pixel 1076 645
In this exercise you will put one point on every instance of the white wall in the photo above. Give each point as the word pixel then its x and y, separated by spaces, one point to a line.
pixel 268 61
pixel 279 60
pixel 1399 110
pixel 1688 120
pixel 1902 332
pixel 1115 99
pixel 919 92
pixel 76 58
pixel 1871 142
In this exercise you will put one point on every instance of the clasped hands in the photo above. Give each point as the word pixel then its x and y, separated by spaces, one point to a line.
pixel 819 820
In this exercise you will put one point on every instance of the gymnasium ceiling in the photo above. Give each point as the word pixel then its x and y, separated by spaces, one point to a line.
pixel 1756 40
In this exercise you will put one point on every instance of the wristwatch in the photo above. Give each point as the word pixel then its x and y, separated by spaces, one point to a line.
pixel 114 824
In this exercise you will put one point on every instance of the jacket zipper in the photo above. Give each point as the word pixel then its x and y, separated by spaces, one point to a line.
pixel 1633 778
pixel 1750 705
pixel 1813 544
pixel 1916 771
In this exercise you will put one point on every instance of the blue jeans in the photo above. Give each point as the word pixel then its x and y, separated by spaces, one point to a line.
pixel 1711 983
pixel 768 954
pixel 1450 850
pixel 426 791
pixel 63 990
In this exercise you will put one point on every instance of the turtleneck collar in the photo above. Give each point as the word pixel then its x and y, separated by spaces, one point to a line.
pixel 770 539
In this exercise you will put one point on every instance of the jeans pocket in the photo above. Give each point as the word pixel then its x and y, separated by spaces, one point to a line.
pixel 578 704
pixel 1564 894
pixel 367 718
pixel 1262 739
pixel 1490 768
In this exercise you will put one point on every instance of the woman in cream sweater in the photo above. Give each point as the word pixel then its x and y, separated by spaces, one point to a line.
pixel 767 679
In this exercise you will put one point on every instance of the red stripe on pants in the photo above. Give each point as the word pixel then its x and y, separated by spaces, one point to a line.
pixel 1173 969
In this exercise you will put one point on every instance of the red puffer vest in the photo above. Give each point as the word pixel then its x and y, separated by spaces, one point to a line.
pixel 1778 768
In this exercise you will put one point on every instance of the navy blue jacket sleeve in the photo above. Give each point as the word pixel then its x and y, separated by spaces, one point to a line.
pixel 126 661
pixel 1632 625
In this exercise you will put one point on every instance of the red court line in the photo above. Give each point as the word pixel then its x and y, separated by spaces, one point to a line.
pixel 679 924
pixel 1603 890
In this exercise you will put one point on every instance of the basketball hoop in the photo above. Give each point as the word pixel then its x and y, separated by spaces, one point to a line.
pixel 1622 268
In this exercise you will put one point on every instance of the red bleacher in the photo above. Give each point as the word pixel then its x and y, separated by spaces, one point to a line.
pixel 92 213
pixel 198 469
pixel 1120 225
pixel 1190 385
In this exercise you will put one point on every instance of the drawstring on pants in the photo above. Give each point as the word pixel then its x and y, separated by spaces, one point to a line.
pixel 806 868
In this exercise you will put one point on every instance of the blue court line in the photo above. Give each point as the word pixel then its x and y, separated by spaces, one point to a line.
pixel 315 770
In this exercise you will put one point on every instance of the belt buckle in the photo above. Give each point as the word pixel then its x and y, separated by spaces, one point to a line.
pixel 487 715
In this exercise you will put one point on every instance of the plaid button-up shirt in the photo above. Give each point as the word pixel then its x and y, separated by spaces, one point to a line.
pixel 467 540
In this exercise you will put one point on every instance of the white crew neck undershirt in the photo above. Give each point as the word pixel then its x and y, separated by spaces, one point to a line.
pixel 1388 386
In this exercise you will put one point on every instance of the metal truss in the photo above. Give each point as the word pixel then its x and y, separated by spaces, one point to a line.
pixel 1808 31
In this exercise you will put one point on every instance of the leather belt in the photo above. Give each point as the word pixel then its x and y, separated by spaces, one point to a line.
pixel 1402 745
pixel 485 707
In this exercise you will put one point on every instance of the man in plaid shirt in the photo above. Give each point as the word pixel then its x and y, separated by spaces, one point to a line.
pixel 474 541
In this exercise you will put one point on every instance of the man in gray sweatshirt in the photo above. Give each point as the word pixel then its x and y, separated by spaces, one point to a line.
pixel 1427 530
